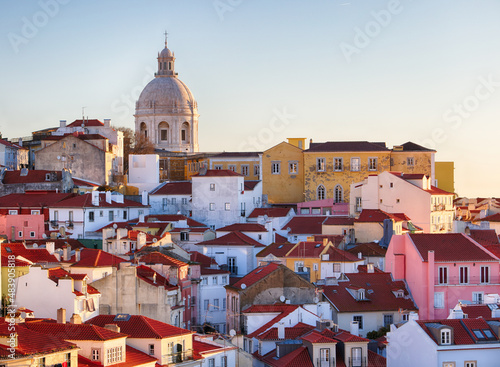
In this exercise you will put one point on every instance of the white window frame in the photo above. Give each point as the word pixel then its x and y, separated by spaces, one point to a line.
pixel 372 164
pixel 245 169
pixel 445 336
pixel 355 164
pixel 338 164
pixel 276 167
pixel 438 299
pixel 227 206
pixel 293 167
pixel 211 206
pixel 320 164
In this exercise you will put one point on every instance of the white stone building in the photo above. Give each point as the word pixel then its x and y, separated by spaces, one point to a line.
pixel 166 112
pixel 212 302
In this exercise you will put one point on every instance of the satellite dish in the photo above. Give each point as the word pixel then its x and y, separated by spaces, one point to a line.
pixel 44 235
pixel 243 286
pixel 154 240
pixel 115 226
pixel 315 299
pixel 58 157
pixel 232 332
pixel 282 298
pixel 35 245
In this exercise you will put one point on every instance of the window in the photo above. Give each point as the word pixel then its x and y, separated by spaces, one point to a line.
pixel 358 206
pixel 95 354
pixel 231 167
pixel 35 212
pixel 245 170
pixel 485 274
pixel 293 167
pixel 216 304
pixel 359 319
pixel 478 298
pixel 321 193
pixel 124 214
pixel 183 135
pixel 223 304
pixel 315 267
pixel 214 280
pixel 372 164
pixel 464 275
pixel 443 275
pixel 211 206
pixel 204 281
pixel 339 194
pixel 256 170
pixel 111 215
pixel 336 267
pixel 101 213
pixel 438 300
pixel 320 164
pixel 174 201
pixel 224 279
pixel 41 362
pixel 388 320
pixel 32 234
pixel 211 362
pixel 355 164
pixel 470 364
pixel 410 161
pixel 184 236
pixel 445 337
pixel 324 355
pixel 275 168
pixel 151 349
pixel 356 357
pixel 338 164
pixel 227 206
pixel 91 216
pixel 212 187
pixel 299 266
pixel 20 234
pixel 184 201
pixel 224 361
pixel 218 166
pixel 67 359
pixel 206 304
pixel 164 134
pixel 231 265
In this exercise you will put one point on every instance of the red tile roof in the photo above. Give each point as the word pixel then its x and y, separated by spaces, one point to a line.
pixel 378 292
pixel 297 358
pixel 31 176
pixel 83 183
pixel 140 327
pixel 173 218
pixel 412 147
pixel 36 256
pixel 475 311
pixel 293 332
pixel 91 258
pixel 281 310
pixel 232 239
pixel 91 122
pixel 156 257
pixel 202 347
pixel 218 173
pixel 85 201
pixel 302 224
pixel 484 236
pixel 315 337
pixel 5 261
pixel 270 212
pixel 339 221
pixel 249 185
pixel 450 247
pixel 74 331
pixel 209 271
pixel 204 260
pixel 243 227
pixel 347 146
pixel 32 200
pixel 173 188
pixel 368 249
pixel 376 215
pixel 256 275
pixel 313 249
pixel 154 278
pixel 277 249
pixel 491 218
pixel 462 329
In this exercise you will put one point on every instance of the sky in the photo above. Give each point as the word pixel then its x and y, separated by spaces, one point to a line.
pixel 262 71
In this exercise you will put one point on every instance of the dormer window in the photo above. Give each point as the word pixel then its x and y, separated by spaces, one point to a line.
pixel 361 294
pixel 445 337
pixel 399 293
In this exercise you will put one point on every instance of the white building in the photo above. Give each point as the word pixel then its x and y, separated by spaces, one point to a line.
pixel 212 302
pixel 444 343
pixel 144 171
pixel 46 290
pixel 83 215
pixel 428 207
pixel 166 112
pixel 171 198
pixel 220 197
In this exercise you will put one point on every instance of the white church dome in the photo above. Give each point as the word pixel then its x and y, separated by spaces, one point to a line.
pixel 166 92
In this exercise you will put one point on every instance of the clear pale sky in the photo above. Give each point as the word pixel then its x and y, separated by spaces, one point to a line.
pixel 426 71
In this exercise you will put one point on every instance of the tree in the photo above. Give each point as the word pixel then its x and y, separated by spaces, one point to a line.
pixel 134 143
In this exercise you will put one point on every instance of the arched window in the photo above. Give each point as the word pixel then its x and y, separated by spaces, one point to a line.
pixel 185 133
pixel 163 132
pixel 169 65
pixel 144 130
pixel 321 192
pixel 338 194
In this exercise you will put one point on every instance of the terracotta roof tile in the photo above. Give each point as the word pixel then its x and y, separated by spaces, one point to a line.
pixel 484 236
pixel 91 122
pixel 462 329
pixel 156 257
pixel 412 147
pixel 277 249
pixel 30 176
pixel 154 278
pixel 91 258
pixel 302 224
pixel 450 247
pixel 376 215
pixel 34 255
pixel 218 173
pixel 85 201
pixel 368 249
pixel 173 188
pixel 133 357
pixel 74 331
pixel 204 260
pixel 32 199
pixel 232 239
pixel 256 275
pixel 270 212
pixel 243 227
pixel 173 218
pixel 491 218
pixel 347 146
pixel 140 327
pixel 297 358
pixel 282 311
pixel 249 185
pixel 339 221
pixel 293 332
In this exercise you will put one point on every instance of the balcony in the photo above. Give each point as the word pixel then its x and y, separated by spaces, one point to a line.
pixel 472 280
pixel 54 224
pixel 180 356
pixel 356 362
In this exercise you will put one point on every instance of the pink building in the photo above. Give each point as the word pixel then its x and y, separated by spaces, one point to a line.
pixel 22 226
pixel 441 269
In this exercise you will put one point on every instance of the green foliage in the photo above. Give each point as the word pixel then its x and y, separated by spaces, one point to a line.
pixel 374 334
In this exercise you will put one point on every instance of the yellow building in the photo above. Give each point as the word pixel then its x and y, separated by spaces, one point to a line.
pixel 330 168
pixel 445 176
pixel 283 173
pixel 245 163
pixel 19 269
pixel 413 158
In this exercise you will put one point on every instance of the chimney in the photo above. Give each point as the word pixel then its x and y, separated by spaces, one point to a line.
pixel 108 197
pixel 75 319
pixel 121 233
pixel 141 240
pixel 95 198
pixel 62 123
pixel 61 315
pixel 281 330
pixel 66 251
pixel 107 122
pixel 354 328
pixel 360 255
pixel 495 313
pixel 325 241
pixel 413 316
pixel 77 255
pixel 20 142
pixel 144 197
pixel 50 247
pixel 112 327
